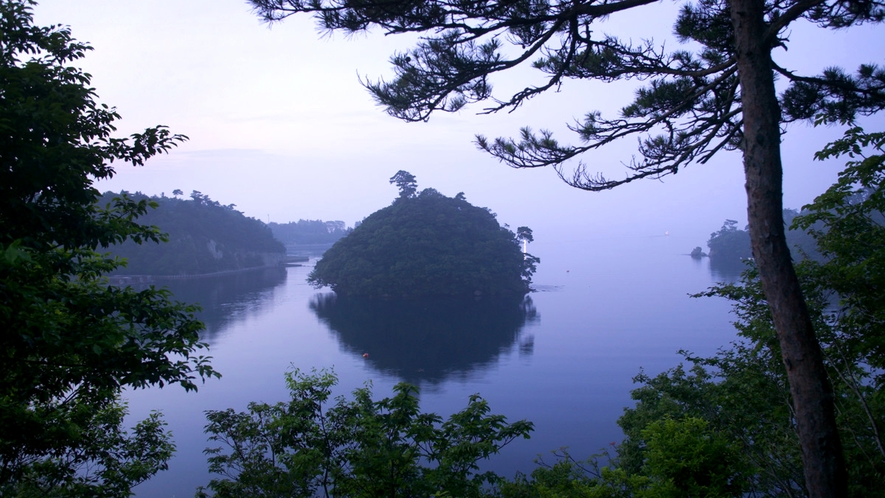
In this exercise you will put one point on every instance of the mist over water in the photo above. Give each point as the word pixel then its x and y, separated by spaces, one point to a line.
pixel 564 358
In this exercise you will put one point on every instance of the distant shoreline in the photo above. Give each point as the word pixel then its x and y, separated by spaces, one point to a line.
pixel 145 279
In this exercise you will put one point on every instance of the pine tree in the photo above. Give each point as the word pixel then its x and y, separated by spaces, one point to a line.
pixel 696 102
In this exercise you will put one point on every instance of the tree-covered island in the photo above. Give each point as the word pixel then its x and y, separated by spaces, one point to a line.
pixel 202 236
pixel 730 246
pixel 426 244
pixel 304 233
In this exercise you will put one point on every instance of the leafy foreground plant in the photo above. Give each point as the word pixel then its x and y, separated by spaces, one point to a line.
pixel 684 458
pixel 69 342
pixel 356 448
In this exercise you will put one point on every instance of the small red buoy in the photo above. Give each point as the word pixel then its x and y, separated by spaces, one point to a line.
pixel 365 355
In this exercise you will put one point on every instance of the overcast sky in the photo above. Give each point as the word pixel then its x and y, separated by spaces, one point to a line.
pixel 280 126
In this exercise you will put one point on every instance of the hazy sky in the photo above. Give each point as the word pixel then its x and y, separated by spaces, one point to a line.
pixel 280 126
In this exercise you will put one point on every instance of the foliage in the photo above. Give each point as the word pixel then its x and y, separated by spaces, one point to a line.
pixel 113 462
pixel 565 478
pixel 743 396
pixel 427 245
pixel 202 236
pixel 848 222
pixel 730 243
pixel 715 91
pixel 69 341
pixel 406 183
pixel 743 391
pixel 303 232
pixel 682 458
pixel 356 448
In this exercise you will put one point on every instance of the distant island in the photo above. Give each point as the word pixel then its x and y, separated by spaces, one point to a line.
pixel 730 246
pixel 425 245
pixel 204 237
pixel 308 234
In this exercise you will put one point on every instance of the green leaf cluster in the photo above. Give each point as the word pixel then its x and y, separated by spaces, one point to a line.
pixel 683 457
pixel 357 447
pixel 427 244
pixel 125 458
pixel 69 342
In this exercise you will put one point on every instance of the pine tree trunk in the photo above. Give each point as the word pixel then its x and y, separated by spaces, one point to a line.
pixel 825 474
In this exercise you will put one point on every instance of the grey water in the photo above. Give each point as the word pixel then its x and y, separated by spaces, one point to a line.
pixel 564 358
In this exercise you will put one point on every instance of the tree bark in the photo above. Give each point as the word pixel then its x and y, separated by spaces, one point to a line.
pixel 825 474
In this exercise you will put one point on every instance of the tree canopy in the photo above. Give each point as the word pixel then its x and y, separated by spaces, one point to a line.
pixel 356 448
pixel 70 342
pixel 202 236
pixel 427 244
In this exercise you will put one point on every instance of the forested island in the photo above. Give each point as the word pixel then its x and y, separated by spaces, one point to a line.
pixel 300 234
pixel 730 245
pixel 204 236
pixel 426 244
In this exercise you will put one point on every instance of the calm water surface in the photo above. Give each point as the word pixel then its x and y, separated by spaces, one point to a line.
pixel 564 358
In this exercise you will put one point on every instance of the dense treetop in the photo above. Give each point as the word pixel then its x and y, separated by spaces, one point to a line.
pixel 203 237
pixel 427 244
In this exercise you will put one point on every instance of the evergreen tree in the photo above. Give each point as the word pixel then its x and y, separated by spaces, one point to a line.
pixel 715 94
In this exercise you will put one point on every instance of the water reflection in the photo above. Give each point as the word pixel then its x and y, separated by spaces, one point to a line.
pixel 727 271
pixel 226 298
pixel 427 341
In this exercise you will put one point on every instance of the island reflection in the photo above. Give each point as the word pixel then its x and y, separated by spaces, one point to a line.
pixel 427 341
pixel 227 298
pixel 727 272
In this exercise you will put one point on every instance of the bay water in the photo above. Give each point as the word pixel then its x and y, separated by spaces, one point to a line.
pixel 564 358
